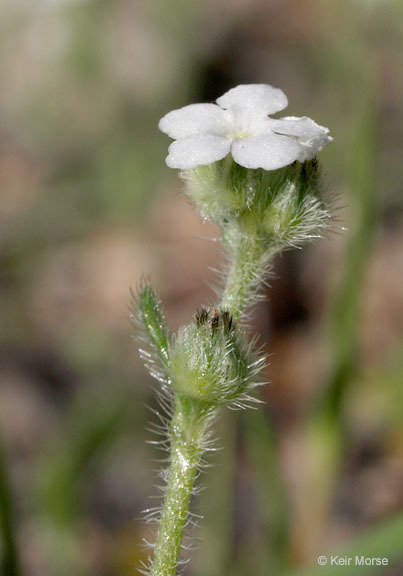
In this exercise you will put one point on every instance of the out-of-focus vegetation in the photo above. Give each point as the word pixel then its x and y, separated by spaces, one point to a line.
pixel 87 206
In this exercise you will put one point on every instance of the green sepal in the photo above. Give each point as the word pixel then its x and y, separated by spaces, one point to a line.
pixel 281 208
pixel 148 316
pixel 211 359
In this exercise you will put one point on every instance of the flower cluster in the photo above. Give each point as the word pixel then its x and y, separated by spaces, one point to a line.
pixel 239 124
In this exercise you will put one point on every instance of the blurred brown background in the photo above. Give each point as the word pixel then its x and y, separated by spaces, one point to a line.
pixel 88 206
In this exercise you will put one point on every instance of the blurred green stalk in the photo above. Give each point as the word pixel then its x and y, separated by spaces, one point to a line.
pixel 93 425
pixel 345 315
pixel 218 503
pixel 273 510
pixel 9 560
pixel 325 434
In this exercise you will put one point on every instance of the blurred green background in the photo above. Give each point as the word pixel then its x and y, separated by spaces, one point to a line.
pixel 87 206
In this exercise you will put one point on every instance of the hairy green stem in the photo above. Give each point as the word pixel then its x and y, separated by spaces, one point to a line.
pixel 248 261
pixel 249 257
pixel 186 434
pixel 190 421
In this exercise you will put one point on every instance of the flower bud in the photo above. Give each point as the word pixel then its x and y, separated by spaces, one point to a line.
pixel 211 360
pixel 296 212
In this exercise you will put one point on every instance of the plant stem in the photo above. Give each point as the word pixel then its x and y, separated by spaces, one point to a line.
pixel 190 419
pixel 248 260
pixel 186 435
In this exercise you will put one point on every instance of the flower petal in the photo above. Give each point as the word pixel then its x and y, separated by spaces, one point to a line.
pixel 312 137
pixel 197 151
pixel 261 98
pixel 267 151
pixel 194 119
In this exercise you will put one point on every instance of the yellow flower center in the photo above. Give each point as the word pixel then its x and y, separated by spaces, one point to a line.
pixel 238 135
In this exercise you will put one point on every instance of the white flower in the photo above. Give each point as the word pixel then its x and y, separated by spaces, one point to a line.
pixel 239 123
